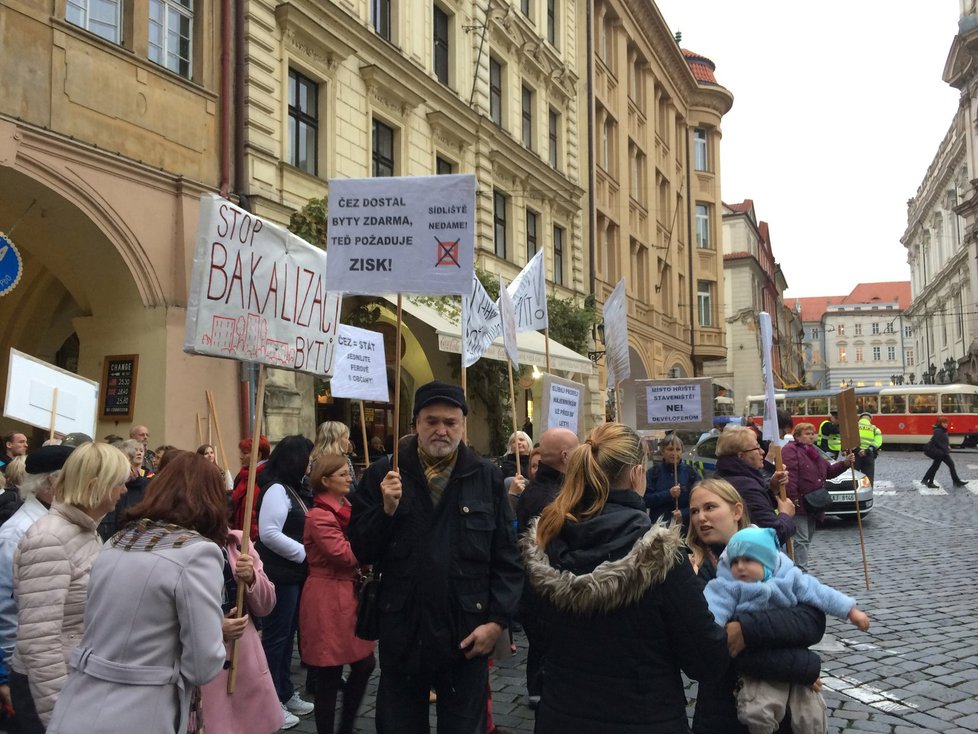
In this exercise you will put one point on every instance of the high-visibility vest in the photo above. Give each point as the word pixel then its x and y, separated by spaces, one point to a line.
pixel 833 441
pixel 869 435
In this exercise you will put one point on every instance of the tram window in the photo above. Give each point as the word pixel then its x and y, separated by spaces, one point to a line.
pixel 795 406
pixel 923 403
pixel 818 406
pixel 757 407
pixel 867 404
pixel 890 404
pixel 959 403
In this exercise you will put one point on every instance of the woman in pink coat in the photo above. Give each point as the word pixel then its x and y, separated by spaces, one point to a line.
pixel 254 706
pixel 328 607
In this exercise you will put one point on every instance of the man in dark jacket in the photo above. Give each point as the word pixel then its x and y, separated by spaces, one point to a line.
pixel 440 531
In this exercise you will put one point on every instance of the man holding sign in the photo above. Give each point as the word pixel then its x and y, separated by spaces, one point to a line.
pixel 439 530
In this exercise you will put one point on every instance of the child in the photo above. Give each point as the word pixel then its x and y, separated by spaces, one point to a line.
pixel 753 575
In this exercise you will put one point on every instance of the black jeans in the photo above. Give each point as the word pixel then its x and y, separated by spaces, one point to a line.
pixel 326 683
pixel 463 689
pixel 26 720
pixel 936 464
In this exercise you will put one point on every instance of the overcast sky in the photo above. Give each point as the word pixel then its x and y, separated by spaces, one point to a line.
pixel 839 108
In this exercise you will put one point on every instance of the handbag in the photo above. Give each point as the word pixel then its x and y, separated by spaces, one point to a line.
pixel 932 452
pixel 368 606
pixel 817 501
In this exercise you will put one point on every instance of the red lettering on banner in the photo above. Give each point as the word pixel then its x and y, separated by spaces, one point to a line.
pixel 219 267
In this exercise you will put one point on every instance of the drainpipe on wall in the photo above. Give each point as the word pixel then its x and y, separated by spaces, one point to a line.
pixel 224 142
pixel 592 225
pixel 689 250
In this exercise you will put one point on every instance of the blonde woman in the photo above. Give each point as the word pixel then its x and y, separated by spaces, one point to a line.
pixel 51 570
pixel 333 438
pixel 624 614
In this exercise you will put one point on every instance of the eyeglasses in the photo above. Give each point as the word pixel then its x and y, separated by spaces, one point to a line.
pixel 755 448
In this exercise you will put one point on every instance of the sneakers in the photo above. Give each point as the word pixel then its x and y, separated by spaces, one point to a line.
pixel 297 706
pixel 290 719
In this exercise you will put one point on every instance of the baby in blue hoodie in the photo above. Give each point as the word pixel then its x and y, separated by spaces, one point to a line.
pixel 753 575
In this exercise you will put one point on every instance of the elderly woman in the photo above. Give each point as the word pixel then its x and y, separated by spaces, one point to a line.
pixel 525 444
pixel 772 643
pixel 153 626
pixel 51 570
pixel 328 611
pixel 668 483
pixel 807 471
pixel 739 461
pixel 599 568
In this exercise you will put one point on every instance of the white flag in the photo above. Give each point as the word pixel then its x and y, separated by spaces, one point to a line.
pixel 529 293
pixel 480 323
pixel 508 323
pixel 615 315
pixel 770 432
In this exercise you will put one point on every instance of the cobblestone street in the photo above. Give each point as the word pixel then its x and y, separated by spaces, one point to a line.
pixel 917 668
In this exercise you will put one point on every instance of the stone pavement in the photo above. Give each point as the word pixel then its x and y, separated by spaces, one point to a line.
pixel 916 670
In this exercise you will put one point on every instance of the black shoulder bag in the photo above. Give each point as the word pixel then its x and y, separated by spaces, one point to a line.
pixel 368 605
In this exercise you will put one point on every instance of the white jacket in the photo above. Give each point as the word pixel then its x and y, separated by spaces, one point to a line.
pixel 10 534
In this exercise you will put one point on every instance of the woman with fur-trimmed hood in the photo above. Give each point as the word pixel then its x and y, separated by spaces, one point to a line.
pixel 623 610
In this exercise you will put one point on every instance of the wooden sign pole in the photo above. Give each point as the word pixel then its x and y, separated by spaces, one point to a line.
pixel 782 492
pixel 465 396
pixel 512 403
pixel 397 385
pixel 363 426
pixel 54 413
pixel 859 523
pixel 249 506
pixel 217 428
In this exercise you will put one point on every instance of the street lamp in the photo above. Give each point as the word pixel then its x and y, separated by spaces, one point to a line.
pixel 950 368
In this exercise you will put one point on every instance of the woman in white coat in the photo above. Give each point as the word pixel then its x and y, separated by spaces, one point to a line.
pixel 153 624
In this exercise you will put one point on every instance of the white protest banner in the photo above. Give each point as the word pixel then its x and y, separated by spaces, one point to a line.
pixel 30 396
pixel 529 293
pixel 408 234
pixel 684 402
pixel 770 432
pixel 480 323
pixel 258 293
pixel 616 336
pixel 360 369
pixel 508 319
pixel 560 404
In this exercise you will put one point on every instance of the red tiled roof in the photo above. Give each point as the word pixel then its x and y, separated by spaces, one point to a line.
pixel 701 67
pixel 813 307
pixel 742 208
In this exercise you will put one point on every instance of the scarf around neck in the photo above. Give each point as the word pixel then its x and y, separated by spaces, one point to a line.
pixel 437 472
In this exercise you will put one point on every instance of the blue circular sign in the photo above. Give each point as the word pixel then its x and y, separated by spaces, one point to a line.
pixel 11 265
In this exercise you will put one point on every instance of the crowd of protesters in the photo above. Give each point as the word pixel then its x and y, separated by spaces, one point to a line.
pixel 131 578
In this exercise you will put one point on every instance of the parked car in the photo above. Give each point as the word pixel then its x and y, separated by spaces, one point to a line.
pixel 704 457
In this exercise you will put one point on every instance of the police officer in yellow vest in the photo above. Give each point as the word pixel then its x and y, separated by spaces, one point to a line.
pixel 870 441
pixel 829 434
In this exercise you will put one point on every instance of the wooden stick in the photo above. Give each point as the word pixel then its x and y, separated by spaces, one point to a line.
pixel 859 522
pixel 200 431
pixel 546 343
pixel 54 413
pixel 512 403
pixel 465 395
pixel 675 475
pixel 217 427
pixel 782 492
pixel 249 506
pixel 363 425
pixel 397 384
pixel 618 402
pixel 210 419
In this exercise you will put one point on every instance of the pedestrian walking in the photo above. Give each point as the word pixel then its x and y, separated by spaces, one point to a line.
pixel 938 450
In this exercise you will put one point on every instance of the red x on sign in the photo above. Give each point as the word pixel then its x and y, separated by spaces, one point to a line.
pixel 447 253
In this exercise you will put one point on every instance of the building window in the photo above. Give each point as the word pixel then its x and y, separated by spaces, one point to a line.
pixel 101 17
pixel 842 354
pixel 907 332
pixel 908 357
pixel 891 353
pixel 383 155
pixel 558 255
pixel 381 15
pixel 875 327
pixel 527 117
pixel 606 145
pixel 889 328
pixel 553 127
pixel 495 91
pixel 840 330
pixel 876 354
pixel 702 226
pixel 858 329
pixel 815 333
pixel 440 34
pixel 303 123
pixel 499 204
pixel 859 354
pixel 171 34
pixel 531 233
pixel 704 302
pixel 552 22
pixel 525 8
pixel 443 166
pixel 700 152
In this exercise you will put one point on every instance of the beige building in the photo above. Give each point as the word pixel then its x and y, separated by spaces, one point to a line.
pixel 110 122
pixel 352 90
pixel 656 188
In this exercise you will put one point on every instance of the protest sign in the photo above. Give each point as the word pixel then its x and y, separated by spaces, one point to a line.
pixel 770 432
pixel 529 293
pixel 409 234
pixel 561 405
pixel 481 323
pixel 360 370
pixel 681 403
pixel 508 319
pixel 615 315
pixel 30 396
pixel 258 293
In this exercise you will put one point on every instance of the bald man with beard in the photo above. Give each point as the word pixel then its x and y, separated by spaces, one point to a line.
pixel 556 447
